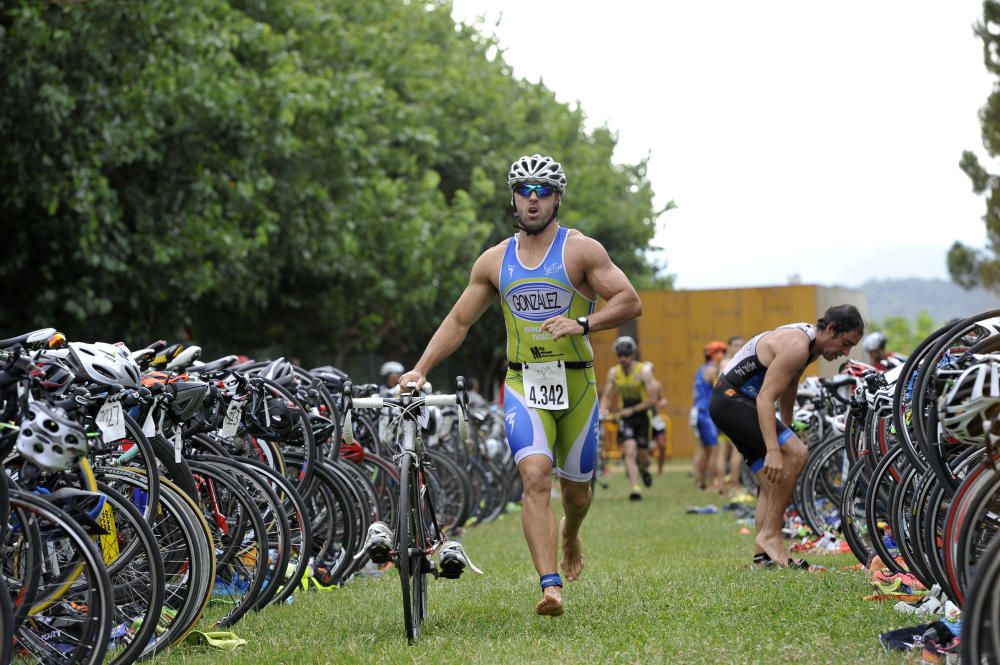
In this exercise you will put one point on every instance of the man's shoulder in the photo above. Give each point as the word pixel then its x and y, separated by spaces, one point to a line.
pixel 493 255
pixel 577 237
pixel 787 341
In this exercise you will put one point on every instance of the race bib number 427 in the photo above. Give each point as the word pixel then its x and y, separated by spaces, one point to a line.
pixel 545 386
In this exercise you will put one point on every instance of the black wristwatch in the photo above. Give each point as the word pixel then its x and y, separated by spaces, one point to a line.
pixel 583 321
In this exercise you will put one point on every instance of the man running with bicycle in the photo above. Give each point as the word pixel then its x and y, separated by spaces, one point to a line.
pixel 549 278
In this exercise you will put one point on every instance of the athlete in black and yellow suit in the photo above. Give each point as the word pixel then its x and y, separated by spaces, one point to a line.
pixel 632 382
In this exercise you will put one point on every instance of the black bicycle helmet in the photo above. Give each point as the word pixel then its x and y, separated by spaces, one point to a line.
pixel 270 417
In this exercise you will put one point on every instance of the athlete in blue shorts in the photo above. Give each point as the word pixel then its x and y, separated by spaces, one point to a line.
pixel 708 433
pixel 548 278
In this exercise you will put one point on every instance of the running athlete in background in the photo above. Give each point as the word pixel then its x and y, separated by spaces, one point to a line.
pixel 705 469
pixel 631 382
pixel 549 278
pixel 764 372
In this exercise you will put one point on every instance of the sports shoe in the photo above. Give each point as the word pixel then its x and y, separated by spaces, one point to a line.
pixel 452 560
pixel 378 543
pixel 635 494
pixel 647 478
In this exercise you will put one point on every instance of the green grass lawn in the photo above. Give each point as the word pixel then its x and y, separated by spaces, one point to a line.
pixel 659 586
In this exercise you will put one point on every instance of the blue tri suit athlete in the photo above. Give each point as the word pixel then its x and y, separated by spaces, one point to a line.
pixel 548 278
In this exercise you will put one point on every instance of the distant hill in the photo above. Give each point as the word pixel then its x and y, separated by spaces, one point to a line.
pixel 942 299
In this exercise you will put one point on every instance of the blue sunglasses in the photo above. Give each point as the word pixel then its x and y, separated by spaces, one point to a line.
pixel 525 190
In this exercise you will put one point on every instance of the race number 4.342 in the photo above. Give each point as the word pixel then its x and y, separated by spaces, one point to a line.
pixel 545 386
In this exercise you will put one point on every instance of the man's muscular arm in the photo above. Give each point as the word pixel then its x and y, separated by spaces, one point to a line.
pixel 475 300
pixel 608 281
pixel 790 356
pixel 787 400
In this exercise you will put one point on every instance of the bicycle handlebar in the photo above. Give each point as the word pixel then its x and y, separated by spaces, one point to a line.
pixel 406 401
pixel 402 402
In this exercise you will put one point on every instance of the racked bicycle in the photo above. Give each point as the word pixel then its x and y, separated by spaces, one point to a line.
pixel 418 533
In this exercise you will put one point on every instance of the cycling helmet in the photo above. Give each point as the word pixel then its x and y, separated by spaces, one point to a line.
pixel 810 388
pixel 392 367
pixel 972 401
pixel 55 377
pixel 874 341
pixel 625 346
pixel 49 439
pixel 331 377
pixel 537 168
pixel 281 372
pixel 271 417
pixel 105 364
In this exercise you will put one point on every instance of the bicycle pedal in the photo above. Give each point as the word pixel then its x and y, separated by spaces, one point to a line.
pixel 452 568
pixel 378 544
pixel 452 560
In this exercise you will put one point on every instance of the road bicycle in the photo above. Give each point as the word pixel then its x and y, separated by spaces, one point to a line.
pixel 418 533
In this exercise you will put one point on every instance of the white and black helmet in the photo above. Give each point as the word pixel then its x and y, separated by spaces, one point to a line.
pixel 537 168
pixel 105 364
pixel 49 438
pixel 625 346
pixel 972 402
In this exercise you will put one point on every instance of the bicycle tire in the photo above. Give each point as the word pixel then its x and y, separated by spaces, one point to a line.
pixel 405 531
pixel 240 535
pixel 188 556
pixel 981 613
pixel 137 577
pixel 90 595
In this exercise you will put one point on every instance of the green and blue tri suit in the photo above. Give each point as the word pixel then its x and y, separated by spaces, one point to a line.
pixel 529 296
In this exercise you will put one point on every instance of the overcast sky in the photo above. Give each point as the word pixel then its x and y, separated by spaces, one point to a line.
pixel 796 137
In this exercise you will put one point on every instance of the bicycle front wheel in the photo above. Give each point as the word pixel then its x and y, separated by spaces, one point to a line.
pixel 409 553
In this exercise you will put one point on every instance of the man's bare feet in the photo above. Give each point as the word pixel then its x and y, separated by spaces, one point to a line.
pixel 572 562
pixel 773 548
pixel 551 604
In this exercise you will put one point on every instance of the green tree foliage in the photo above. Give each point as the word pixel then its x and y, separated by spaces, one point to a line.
pixel 316 176
pixel 902 334
pixel 970 266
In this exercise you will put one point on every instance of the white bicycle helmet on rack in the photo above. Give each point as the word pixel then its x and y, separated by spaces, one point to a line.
pixel 104 363
pixel 966 410
pixel 537 168
pixel 49 439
